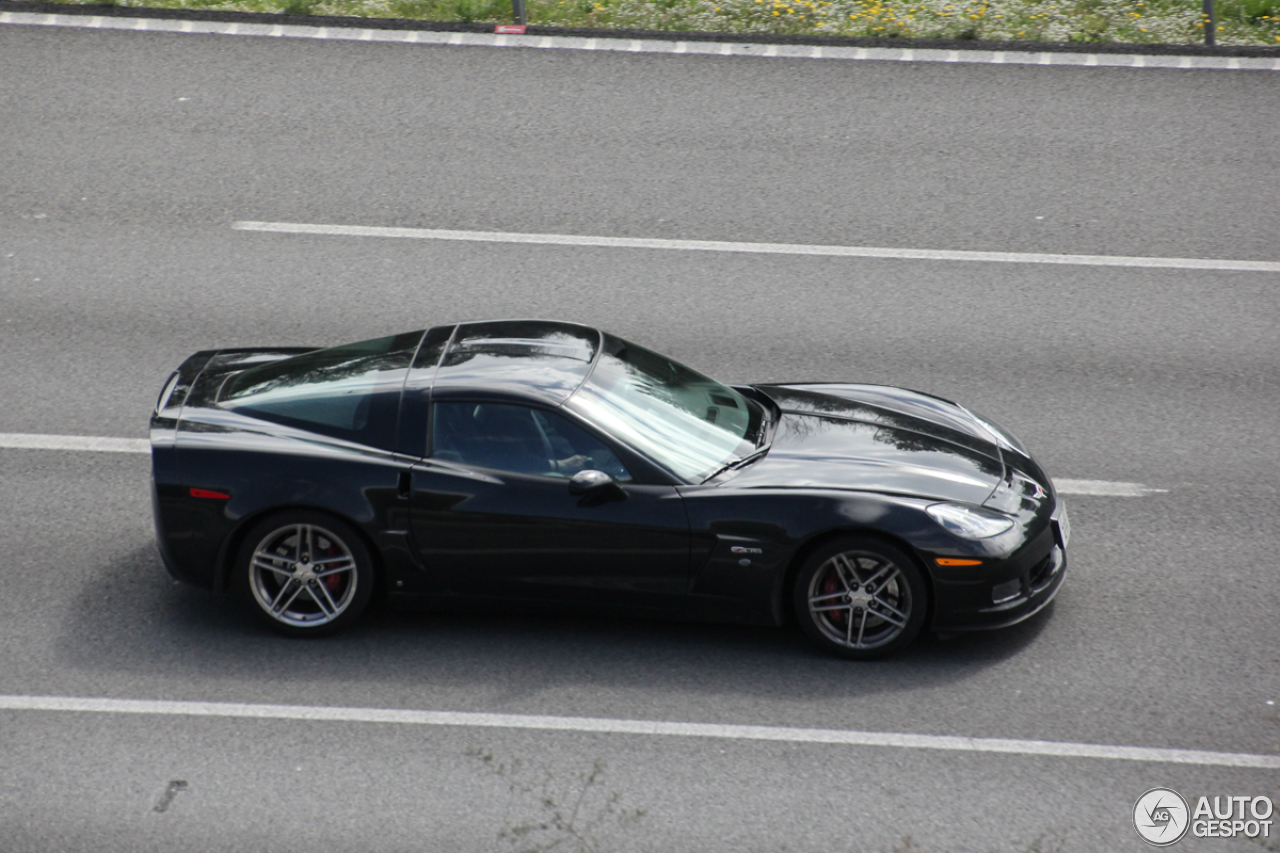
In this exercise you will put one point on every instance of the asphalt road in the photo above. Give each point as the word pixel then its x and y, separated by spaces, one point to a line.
pixel 127 158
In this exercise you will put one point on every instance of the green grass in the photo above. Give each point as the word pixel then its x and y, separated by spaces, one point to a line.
pixel 1240 22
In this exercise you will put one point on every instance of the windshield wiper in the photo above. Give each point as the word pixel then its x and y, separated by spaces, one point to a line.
pixel 736 463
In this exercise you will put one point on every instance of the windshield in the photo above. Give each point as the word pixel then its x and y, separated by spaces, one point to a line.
pixel 688 423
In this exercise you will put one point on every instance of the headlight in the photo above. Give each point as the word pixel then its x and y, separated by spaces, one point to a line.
pixel 970 522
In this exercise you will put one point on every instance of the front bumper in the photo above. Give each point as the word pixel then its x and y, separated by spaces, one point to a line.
pixel 1015 592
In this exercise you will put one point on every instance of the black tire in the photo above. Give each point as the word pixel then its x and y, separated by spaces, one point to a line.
pixel 304 573
pixel 860 598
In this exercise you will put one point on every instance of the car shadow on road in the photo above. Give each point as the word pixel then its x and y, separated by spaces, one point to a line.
pixel 131 619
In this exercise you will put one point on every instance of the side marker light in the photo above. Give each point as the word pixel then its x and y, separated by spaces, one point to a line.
pixel 949 561
pixel 206 493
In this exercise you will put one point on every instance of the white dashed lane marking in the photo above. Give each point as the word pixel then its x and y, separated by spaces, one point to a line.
pixel 782 51
pixel 1105 488
pixel 756 248
pixel 34 441
pixel 842 737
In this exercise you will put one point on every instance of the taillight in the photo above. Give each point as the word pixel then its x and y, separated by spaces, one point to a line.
pixel 209 493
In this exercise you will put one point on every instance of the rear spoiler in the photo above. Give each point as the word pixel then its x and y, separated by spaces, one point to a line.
pixel 206 364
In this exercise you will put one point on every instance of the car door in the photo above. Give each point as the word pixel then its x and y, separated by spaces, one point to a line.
pixel 491 514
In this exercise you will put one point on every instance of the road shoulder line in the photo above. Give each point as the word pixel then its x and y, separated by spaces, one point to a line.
pixel 1037 748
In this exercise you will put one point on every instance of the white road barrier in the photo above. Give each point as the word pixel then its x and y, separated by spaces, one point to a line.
pixel 673 46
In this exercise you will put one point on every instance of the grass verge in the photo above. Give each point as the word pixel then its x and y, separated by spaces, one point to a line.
pixel 1240 22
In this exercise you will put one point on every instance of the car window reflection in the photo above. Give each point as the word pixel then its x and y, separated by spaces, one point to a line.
pixel 518 439
pixel 351 391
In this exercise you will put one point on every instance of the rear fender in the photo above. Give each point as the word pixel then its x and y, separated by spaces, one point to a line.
pixel 231 545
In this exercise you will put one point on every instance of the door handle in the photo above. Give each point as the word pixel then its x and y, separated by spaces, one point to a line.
pixel 403 484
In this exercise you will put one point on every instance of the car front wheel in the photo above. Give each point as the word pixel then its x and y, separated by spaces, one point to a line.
pixel 305 573
pixel 860 598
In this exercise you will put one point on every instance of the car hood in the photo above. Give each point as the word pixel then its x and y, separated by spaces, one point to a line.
pixel 875 438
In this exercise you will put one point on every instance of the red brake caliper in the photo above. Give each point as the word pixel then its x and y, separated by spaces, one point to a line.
pixel 331 581
pixel 831 584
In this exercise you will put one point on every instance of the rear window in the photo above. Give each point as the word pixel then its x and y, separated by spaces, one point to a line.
pixel 351 391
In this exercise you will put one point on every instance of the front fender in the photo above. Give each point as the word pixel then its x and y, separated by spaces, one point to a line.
pixel 747 543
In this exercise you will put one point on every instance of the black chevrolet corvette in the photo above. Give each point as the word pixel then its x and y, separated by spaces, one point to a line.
pixel 549 464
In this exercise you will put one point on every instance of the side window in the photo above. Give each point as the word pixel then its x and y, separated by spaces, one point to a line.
pixel 518 439
pixel 351 391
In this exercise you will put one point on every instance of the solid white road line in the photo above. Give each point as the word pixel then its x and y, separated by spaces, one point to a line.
pixel 74 442
pixel 799 51
pixel 32 441
pixel 756 248
pixel 638 727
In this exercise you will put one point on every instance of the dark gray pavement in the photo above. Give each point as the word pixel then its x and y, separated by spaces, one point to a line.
pixel 117 260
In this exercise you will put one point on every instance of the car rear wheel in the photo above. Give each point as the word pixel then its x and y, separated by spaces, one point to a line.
pixel 305 573
pixel 860 598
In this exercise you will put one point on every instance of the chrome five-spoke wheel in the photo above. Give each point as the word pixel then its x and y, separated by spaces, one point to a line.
pixel 860 598
pixel 305 573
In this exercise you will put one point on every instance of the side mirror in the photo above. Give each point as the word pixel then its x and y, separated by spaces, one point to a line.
pixel 597 485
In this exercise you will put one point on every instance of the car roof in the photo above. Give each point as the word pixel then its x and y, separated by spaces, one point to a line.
pixel 540 360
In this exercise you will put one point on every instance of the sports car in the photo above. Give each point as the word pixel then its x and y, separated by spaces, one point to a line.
pixel 549 465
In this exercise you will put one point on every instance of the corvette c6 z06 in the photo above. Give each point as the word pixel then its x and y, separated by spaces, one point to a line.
pixel 549 464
